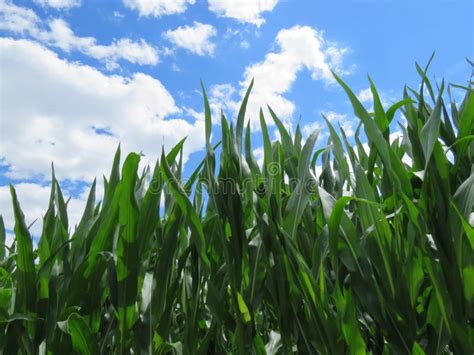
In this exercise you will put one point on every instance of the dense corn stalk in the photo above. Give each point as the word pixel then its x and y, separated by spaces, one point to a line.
pixel 374 254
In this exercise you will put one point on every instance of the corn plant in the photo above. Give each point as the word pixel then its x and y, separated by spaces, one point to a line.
pixel 352 248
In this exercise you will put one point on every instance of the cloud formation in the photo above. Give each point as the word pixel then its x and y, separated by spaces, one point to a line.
pixel 75 115
pixel 298 48
pixel 242 10
pixel 57 33
pixel 157 8
pixel 196 38
pixel 59 4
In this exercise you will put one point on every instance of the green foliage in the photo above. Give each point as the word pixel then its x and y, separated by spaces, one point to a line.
pixel 370 253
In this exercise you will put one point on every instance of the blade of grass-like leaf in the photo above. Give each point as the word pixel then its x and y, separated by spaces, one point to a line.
pixel 244 311
pixel 25 298
pixel 148 214
pixel 104 237
pixel 371 217
pixel 430 132
pixel 338 150
pixel 112 183
pixel 299 197
pixel 380 116
pixel 468 229
pixel 424 82
pixel 439 291
pixel 423 76
pixel 207 118
pixel 298 138
pixel 26 294
pixel 267 145
pixel 83 340
pixel 390 114
pixel 49 218
pixel 287 144
pixel 2 239
pixel 187 209
pixel 78 247
pixel 371 129
pixel 463 201
pixel 466 121
pixel 248 152
pixel 128 261
pixel 61 205
pixel 241 118
pixel 392 164
pixel 334 225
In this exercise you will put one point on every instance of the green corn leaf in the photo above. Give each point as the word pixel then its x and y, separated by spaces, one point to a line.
pixel 248 152
pixel 110 186
pixel 338 150
pixel 439 291
pixel 2 239
pixel 300 197
pixel 103 239
pixel 187 209
pixel 380 116
pixel 78 246
pixel 334 223
pixel 374 256
pixel 466 121
pixel 244 311
pixel 128 261
pixel 430 131
pixel 26 294
pixel 241 118
pixel 207 117
pixel 267 145
pixel 83 340
pixel 371 129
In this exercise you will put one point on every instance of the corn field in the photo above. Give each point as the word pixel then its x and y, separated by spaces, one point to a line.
pixel 355 248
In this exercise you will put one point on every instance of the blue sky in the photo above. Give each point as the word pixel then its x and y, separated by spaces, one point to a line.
pixel 77 77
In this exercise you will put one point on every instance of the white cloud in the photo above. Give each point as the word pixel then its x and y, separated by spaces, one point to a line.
pixel 175 67
pixel 299 48
pixel 158 8
pixel 244 11
pixel 365 95
pixel 230 32
pixel 59 4
pixel 52 108
pixel 244 44
pixel 195 38
pixel 58 34
pixel 166 51
pixel 17 19
pixel 62 36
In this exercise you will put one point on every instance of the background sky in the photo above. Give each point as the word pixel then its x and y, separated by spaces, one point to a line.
pixel 79 76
